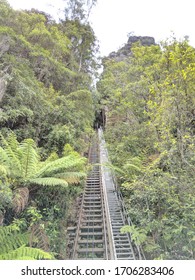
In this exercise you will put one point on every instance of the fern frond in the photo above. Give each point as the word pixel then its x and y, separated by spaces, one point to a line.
pixel 12 155
pixel 60 165
pixel 53 156
pixel 5 231
pixel 4 159
pixel 26 258
pixel 71 177
pixel 20 199
pixel 3 171
pixel 12 141
pixel 11 239
pixel 12 242
pixel 13 246
pixel 29 158
pixel 27 253
pixel 48 181
pixel 38 237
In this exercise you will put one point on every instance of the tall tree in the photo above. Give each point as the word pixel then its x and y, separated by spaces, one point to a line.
pixel 149 99
pixel 79 9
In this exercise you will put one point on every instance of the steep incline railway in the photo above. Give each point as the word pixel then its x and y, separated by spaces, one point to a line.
pixel 101 214
pixel 91 234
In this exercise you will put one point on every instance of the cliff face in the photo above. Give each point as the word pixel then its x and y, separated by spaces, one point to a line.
pixel 144 40
pixel 126 49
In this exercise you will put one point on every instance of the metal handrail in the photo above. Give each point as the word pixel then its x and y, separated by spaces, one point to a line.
pixel 127 218
pixel 109 225
pixel 104 223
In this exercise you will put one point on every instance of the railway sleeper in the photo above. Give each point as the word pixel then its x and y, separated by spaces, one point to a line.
pixel 91 227
pixel 86 241
pixel 91 245
pixel 90 255
pixel 92 205
pixel 92 198
pixel 92 212
pixel 91 230
pixel 92 223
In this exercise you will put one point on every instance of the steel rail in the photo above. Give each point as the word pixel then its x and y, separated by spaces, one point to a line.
pixel 103 213
pixel 79 221
pixel 118 217
pixel 109 225
pixel 92 222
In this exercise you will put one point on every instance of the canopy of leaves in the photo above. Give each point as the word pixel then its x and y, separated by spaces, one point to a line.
pixel 41 63
pixel 14 246
pixel 149 102
pixel 46 115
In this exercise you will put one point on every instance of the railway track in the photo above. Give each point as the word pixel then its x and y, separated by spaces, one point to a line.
pixel 101 215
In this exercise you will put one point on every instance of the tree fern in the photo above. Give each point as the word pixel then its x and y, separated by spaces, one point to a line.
pixel 60 164
pixel 26 253
pixel 48 181
pixel 20 199
pixel 13 246
pixel 26 258
pixel 22 162
pixel 29 158
pixel 38 237
pixel 11 154
pixel 3 156
pixel 4 231
pixel 13 241
pixel 71 177
pixel 12 142
pixel 3 171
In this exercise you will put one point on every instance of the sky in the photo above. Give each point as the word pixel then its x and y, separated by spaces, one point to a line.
pixel 113 20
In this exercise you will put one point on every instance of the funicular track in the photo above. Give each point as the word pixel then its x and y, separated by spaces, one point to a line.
pixel 101 214
pixel 91 235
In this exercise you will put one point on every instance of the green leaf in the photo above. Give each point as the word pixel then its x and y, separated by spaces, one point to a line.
pixel 48 181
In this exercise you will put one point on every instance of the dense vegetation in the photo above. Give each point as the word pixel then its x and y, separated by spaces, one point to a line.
pixel 46 118
pixel 47 109
pixel 149 98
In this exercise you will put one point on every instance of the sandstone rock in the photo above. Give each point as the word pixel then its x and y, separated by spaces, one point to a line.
pixel 125 51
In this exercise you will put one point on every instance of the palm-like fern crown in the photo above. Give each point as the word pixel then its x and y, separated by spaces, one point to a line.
pixel 21 158
pixel 28 157
pixel 23 162
pixel 20 162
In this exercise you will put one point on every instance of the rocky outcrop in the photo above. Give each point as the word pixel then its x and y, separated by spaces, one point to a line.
pixel 125 51
pixel 144 40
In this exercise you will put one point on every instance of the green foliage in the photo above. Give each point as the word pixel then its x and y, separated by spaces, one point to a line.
pixel 42 63
pixel 27 253
pixel 46 115
pixel 137 235
pixel 13 246
pixel 26 171
pixel 79 9
pixel 5 196
pixel 149 99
